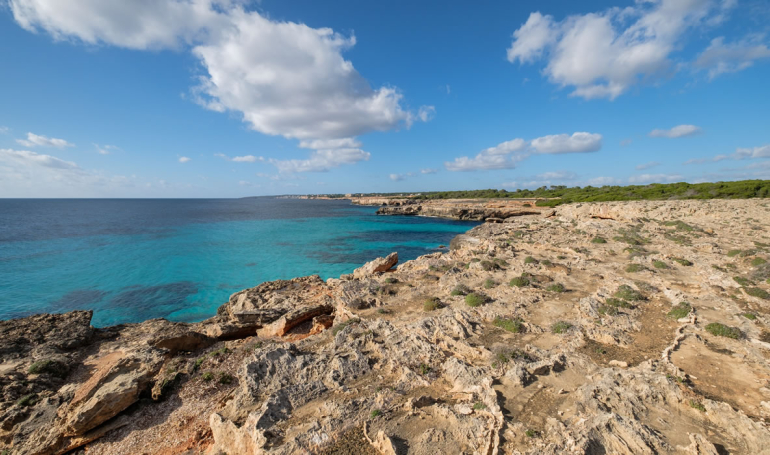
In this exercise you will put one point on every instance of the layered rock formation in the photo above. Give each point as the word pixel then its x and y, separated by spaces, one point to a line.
pixel 457 209
pixel 603 328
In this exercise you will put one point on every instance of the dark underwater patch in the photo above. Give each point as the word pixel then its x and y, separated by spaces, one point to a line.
pixel 139 303
pixel 80 299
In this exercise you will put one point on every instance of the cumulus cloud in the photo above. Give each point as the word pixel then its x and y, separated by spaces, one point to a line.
pixel 677 131
pixel 428 171
pixel 720 57
pixel 184 159
pixel 564 143
pixel 654 178
pixel 34 140
pixel 32 159
pixel 397 177
pixel 754 152
pixel 281 78
pixel 321 160
pixel 651 164
pixel 496 157
pixel 603 54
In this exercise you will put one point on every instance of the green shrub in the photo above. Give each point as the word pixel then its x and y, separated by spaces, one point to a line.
pixel 532 433
pixel 756 262
pixel 431 304
pixel 27 400
pixel 715 328
pixel 424 369
pixel 757 292
pixel 750 316
pixel 375 413
pixel 520 281
pixel 474 299
pixel 208 376
pixel 742 281
pixel 659 265
pixel 560 327
pixel 680 310
pixel 391 280
pixel 626 292
pixel 697 405
pixel 598 239
pixel 530 260
pixel 732 253
pixel 488 266
pixel 682 261
pixel 511 325
pixel 557 287
pixel 617 303
pixel 198 363
pixel 461 289
pixel 500 262
pixel 634 268
pixel 479 405
pixel 489 283
pixel 607 310
pixel 225 378
pixel 48 366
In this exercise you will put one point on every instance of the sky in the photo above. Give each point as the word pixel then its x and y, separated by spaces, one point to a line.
pixel 234 98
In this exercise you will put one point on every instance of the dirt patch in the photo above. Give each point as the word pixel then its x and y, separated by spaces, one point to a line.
pixel 351 442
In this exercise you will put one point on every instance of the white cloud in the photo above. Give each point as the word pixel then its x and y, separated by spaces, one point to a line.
pixel 34 140
pixel 564 143
pixel 105 149
pixel 321 160
pixel 602 55
pixel 755 152
pixel 397 177
pixel 720 58
pixel 651 164
pixel 428 171
pixel 184 159
pixel 677 131
pixel 4 130
pixel 602 181
pixel 29 174
pixel 654 178
pixel 557 175
pixel 245 159
pixel 496 157
pixel 282 78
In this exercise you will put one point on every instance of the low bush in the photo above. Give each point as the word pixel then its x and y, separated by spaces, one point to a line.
pixel 48 366
pixel 474 300
pixel 557 287
pixel 431 304
pixel 225 378
pixel 680 310
pixel 659 265
pixel 560 327
pixel 375 413
pixel 634 268
pixel 207 376
pixel 756 262
pixel 461 289
pixel 757 292
pixel 598 239
pixel 721 330
pixel 479 405
pixel 530 260
pixel 626 292
pixel 511 325
pixel 742 281
pixel 520 281
pixel 682 261
pixel 750 316
pixel 489 283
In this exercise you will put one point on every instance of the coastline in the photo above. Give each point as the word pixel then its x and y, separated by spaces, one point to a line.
pixel 330 341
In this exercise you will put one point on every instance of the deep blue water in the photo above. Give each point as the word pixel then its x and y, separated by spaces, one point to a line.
pixel 132 260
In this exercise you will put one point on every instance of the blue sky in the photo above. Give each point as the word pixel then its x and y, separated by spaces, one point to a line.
pixel 230 98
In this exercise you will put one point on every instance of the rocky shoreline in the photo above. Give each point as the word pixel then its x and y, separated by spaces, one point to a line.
pixel 630 327
pixel 495 210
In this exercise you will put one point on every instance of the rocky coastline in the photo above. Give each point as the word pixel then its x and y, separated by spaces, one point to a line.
pixel 494 210
pixel 629 327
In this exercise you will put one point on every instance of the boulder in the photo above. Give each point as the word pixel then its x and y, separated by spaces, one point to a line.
pixel 378 265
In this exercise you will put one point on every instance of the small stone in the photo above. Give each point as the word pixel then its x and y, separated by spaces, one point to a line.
pixel 618 363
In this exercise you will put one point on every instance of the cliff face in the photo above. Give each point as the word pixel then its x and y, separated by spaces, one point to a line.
pixel 604 328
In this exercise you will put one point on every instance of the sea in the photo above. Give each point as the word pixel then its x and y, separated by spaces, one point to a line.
pixel 130 260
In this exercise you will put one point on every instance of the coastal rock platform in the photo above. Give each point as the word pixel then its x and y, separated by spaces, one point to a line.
pixel 622 328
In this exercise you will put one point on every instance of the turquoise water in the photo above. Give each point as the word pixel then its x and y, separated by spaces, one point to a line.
pixel 132 260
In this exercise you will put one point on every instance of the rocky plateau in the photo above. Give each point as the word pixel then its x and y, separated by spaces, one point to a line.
pixel 594 328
